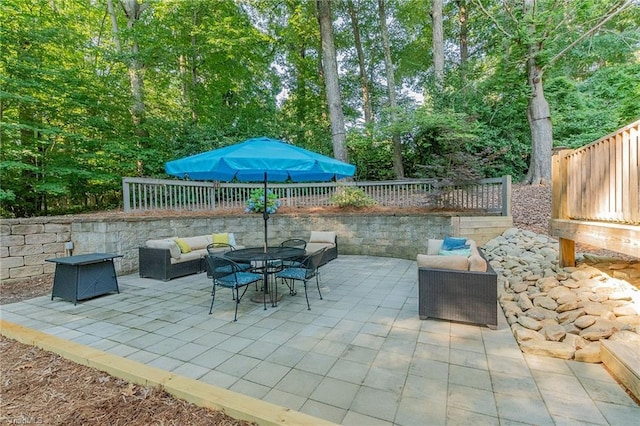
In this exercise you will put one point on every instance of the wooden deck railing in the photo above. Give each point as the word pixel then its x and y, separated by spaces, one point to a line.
pixel 599 184
pixel 492 196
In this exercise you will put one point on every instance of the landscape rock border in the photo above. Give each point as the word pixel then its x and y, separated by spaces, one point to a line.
pixel 563 312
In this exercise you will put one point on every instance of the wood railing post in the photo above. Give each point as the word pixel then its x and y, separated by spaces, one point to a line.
pixel 506 195
pixel 126 197
pixel 566 252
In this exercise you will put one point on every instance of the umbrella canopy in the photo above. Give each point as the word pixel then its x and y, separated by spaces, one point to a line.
pixel 249 161
pixel 260 160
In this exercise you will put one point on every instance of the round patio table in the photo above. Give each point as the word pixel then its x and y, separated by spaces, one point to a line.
pixel 262 255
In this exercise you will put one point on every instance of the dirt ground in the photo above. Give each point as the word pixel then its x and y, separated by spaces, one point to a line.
pixel 38 387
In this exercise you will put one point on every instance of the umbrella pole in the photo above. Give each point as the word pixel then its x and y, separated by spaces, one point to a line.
pixel 265 215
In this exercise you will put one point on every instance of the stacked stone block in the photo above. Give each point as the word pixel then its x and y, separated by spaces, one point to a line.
pixel 25 244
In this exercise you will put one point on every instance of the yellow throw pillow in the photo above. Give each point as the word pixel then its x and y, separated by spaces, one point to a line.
pixel 220 238
pixel 184 247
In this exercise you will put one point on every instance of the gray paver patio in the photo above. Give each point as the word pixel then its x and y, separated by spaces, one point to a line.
pixel 360 356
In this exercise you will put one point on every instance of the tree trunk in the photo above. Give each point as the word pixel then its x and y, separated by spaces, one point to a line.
pixel 398 167
pixel 330 70
pixel 364 82
pixel 438 45
pixel 540 125
pixel 538 113
pixel 188 72
pixel 463 38
pixel 132 10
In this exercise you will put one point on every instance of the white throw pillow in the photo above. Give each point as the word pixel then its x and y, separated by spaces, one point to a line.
pixel 322 237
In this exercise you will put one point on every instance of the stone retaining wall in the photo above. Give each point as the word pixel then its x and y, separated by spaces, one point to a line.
pixel 26 243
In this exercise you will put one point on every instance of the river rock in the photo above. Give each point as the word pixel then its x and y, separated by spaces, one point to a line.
pixel 560 291
pixel 548 283
pixel 570 316
pixel 529 323
pixel 524 302
pixel 580 275
pixel 511 308
pixel 553 332
pixel 620 295
pixel 633 320
pixel 590 353
pixel 520 287
pixel 562 312
pixel 585 321
pixel 575 341
pixel 552 349
pixel 571 283
pixel 523 334
pixel 601 329
pixel 593 308
pixel 545 302
pixel 568 306
pixel 598 297
pixel 539 313
pixel 566 298
pixel 625 310
pixel 570 328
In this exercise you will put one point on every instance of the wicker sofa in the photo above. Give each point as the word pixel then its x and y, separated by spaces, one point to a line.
pixel 321 239
pixel 168 258
pixel 457 288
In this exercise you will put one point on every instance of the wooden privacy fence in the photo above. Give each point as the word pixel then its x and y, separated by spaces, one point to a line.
pixel 600 180
pixel 596 193
pixel 492 196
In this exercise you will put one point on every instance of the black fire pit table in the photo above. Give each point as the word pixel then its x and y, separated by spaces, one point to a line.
pixel 84 276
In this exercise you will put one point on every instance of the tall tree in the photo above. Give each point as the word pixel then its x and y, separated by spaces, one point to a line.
pixel 133 11
pixel 330 68
pixel 463 34
pixel 537 27
pixel 364 80
pixel 398 166
pixel 438 45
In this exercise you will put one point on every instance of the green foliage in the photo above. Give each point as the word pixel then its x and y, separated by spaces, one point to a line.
pixel 352 197
pixel 217 72
pixel 372 157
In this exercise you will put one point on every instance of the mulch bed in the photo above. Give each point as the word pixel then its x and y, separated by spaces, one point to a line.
pixel 39 387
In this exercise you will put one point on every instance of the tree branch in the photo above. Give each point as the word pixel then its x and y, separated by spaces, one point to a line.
pixel 486 12
pixel 595 28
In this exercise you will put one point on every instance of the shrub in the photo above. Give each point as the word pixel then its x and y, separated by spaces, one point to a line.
pixel 352 197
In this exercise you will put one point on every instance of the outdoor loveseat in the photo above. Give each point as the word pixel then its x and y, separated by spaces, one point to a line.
pixel 323 239
pixel 457 287
pixel 168 258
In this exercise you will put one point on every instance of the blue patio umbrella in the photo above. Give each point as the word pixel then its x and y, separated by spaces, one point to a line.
pixel 260 160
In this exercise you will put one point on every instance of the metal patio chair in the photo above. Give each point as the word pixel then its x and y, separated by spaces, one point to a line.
pixel 227 273
pixel 307 270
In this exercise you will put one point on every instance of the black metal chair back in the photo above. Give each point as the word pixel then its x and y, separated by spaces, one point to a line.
pixel 212 246
pixel 294 242
pixel 227 273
